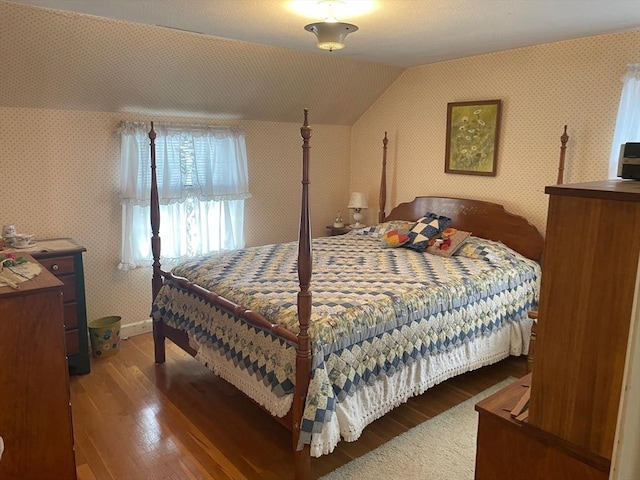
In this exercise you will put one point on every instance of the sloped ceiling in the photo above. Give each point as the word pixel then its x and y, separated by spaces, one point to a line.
pixel 89 55
pixel 62 60
pixel 404 33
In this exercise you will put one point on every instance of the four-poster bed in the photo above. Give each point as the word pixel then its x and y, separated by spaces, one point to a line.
pixel 390 329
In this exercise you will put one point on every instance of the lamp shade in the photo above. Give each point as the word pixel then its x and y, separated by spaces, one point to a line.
pixel 358 200
pixel 330 35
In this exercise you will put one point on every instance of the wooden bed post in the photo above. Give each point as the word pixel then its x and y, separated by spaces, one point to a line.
pixel 303 355
pixel 383 180
pixel 156 282
pixel 563 140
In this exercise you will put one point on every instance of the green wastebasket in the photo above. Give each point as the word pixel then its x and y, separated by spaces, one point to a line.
pixel 104 334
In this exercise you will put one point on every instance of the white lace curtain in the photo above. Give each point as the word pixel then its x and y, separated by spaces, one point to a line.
pixel 628 120
pixel 202 184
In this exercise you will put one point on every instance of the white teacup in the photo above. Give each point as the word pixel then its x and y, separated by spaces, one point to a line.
pixel 21 240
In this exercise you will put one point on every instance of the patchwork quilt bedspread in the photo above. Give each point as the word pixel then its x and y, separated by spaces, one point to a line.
pixel 374 310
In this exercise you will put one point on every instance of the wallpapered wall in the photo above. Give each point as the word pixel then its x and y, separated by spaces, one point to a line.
pixel 61 168
pixel 60 178
pixel 542 88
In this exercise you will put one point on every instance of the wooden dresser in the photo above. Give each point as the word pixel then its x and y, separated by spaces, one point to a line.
pixel 35 413
pixel 588 284
pixel 510 449
pixel 63 258
pixel 591 258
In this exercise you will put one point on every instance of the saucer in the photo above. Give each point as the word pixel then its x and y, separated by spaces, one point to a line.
pixel 32 244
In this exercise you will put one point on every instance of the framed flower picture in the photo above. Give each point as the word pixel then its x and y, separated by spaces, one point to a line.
pixel 472 137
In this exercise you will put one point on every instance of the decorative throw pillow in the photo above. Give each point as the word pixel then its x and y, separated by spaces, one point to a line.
pixel 450 241
pixel 376 231
pixel 426 228
pixel 478 249
pixel 394 238
pixel 393 225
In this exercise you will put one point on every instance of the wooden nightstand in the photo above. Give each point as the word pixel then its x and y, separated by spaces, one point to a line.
pixel 332 231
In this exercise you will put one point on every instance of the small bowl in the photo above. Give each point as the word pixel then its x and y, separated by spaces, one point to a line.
pixel 21 239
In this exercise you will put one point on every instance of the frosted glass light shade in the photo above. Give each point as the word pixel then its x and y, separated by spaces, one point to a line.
pixel 358 200
pixel 330 35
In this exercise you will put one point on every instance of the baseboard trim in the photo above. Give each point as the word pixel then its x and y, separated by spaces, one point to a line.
pixel 136 328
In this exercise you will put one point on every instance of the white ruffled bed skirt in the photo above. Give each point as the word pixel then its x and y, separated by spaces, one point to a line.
pixel 373 401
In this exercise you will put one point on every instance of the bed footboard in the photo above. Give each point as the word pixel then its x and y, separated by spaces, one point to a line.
pixel 161 331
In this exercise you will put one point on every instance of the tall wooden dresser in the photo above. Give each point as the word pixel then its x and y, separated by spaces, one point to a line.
pixel 590 264
pixel 590 267
pixel 63 258
pixel 35 413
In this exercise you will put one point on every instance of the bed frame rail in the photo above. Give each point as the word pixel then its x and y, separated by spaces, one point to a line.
pixel 249 316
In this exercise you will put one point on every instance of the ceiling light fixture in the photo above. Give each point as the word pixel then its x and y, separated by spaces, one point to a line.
pixel 330 33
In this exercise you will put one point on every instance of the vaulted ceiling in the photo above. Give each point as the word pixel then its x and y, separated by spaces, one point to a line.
pixel 252 59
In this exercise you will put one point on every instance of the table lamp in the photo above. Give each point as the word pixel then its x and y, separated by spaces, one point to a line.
pixel 357 202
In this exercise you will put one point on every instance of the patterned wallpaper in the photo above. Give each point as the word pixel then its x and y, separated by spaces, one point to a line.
pixel 60 166
pixel 542 88
pixel 61 179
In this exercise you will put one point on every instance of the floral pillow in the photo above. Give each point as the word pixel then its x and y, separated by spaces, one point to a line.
pixel 450 241
pixel 426 228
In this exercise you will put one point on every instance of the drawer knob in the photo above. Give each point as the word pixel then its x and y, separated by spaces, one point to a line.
pixel 55 267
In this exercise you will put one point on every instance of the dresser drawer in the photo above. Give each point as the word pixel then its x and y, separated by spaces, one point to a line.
pixel 58 265
pixel 69 288
pixel 72 341
pixel 70 315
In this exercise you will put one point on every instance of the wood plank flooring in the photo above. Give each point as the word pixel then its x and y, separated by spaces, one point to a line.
pixel 134 420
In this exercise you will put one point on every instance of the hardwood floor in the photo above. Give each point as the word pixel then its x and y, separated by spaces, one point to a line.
pixel 135 420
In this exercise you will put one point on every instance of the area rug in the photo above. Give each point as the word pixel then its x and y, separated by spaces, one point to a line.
pixel 442 448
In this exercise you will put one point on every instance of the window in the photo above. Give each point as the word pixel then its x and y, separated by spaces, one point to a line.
pixel 628 121
pixel 202 184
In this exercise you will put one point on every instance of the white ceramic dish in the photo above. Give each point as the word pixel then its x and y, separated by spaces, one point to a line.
pixel 32 244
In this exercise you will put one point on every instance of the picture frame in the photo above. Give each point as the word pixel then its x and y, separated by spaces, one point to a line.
pixel 472 137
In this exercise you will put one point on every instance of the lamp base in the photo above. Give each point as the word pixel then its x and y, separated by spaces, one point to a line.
pixel 357 216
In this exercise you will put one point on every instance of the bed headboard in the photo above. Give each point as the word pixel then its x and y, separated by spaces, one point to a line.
pixel 482 219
